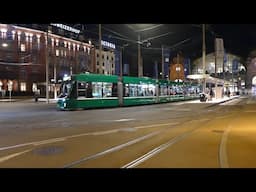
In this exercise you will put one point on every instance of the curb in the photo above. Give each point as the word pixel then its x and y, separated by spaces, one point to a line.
pixel 214 104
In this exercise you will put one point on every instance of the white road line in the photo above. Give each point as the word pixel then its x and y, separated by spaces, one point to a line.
pixel 156 150
pixel 2 159
pixel 49 141
pixel 222 117
pixel 223 158
pixel 203 119
pixel 121 120
pixel 116 148
pixel 155 125
pixel 58 139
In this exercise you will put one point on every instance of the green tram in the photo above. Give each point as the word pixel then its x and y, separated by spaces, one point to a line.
pixel 87 90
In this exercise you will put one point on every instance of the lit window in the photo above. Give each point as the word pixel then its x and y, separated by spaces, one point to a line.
pixel 178 69
pixel 22 47
pixel 57 52
pixel 13 35
pixel 22 86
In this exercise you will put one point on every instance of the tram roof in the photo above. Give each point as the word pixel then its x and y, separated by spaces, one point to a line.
pixel 95 77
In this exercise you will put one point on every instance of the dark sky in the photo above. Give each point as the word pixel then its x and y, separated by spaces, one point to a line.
pixel 239 38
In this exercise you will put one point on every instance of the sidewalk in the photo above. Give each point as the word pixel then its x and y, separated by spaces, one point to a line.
pixel 32 100
pixel 216 101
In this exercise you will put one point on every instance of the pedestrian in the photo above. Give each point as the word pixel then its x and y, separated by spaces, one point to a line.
pixel 36 95
pixel 211 94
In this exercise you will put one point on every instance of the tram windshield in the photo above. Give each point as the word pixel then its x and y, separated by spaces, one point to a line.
pixel 65 89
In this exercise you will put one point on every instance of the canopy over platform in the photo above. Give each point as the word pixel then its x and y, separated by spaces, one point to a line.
pixel 209 79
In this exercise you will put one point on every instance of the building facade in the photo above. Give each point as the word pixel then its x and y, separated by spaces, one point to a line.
pixel 26 53
pixel 229 68
pixel 177 72
pixel 105 64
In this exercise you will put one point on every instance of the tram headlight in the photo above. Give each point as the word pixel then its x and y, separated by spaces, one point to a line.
pixel 64 104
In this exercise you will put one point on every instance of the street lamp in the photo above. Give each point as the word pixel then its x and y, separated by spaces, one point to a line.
pixel 46 67
pixel 203 57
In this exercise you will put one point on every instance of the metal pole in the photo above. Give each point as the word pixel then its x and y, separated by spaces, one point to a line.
pixel 121 63
pixel 204 80
pixel 100 52
pixel 46 68
pixel 55 81
pixel 163 62
pixel 120 82
pixel 140 73
pixel 215 69
pixel 233 78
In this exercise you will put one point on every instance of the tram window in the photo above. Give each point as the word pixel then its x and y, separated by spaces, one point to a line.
pixel 163 90
pixel 81 89
pixel 97 89
pixel 143 90
pixel 126 90
pixel 151 89
pixel 73 93
pixel 114 90
pixel 107 89
pixel 89 90
pixel 133 90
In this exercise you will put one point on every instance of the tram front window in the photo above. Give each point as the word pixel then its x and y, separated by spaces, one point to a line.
pixel 65 89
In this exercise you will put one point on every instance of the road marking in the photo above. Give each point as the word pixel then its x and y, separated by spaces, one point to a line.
pixel 49 141
pixel 187 109
pixel 203 119
pixel 116 148
pixel 223 158
pixel 250 111
pixel 121 120
pixel 156 150
pixel 58 139
pixel 222 117
pixel 2 159
pixel 155 125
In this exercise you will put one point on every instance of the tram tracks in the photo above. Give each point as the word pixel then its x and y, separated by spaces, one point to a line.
pixel 116 149
pixel 150 153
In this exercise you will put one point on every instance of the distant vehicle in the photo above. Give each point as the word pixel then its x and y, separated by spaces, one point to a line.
pixel 87 90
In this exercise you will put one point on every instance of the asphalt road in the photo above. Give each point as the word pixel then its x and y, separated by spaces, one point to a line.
pixel 173 135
